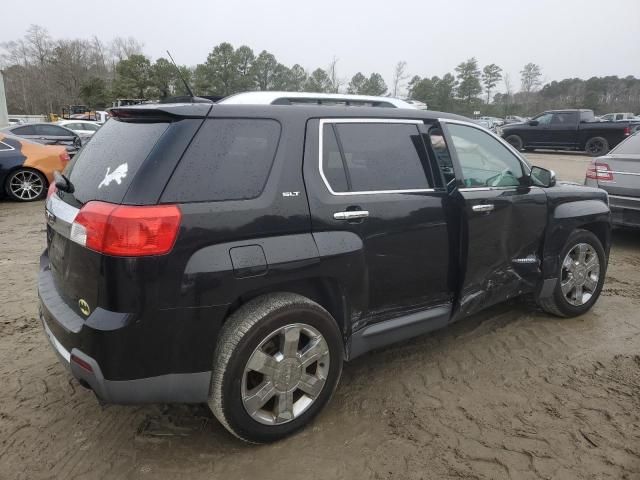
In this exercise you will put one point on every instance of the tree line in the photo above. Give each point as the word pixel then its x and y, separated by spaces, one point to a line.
pixel 43 74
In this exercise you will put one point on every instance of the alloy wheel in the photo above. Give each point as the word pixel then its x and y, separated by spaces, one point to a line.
pixel 580 274
pixel 285 374
pixel 26 185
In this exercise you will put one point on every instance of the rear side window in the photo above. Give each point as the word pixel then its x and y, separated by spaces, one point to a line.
pixel 376 157
pixel 229 159
pixel 28 130
pixel 105 166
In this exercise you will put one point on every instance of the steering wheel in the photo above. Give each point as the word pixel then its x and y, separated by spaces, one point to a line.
pixel 496 179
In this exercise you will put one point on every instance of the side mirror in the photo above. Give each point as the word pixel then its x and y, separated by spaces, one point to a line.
pixel 533 123
pixel 542 177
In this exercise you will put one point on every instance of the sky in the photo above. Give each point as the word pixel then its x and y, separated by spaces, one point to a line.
pixel 567 38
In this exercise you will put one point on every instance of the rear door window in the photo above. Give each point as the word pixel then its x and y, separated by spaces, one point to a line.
pixel 229 159
pixel 376 157
pixel 28 130
pixel 52 131
pixel 104 168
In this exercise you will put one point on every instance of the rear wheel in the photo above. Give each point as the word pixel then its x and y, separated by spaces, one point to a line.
pixel 596 146
pixel 26 185
pixel 515 141
pixel 580 278
pixel 277 363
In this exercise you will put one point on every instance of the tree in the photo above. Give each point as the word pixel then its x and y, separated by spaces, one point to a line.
pixel 491 75
pixel 399 76
pixel 530 81
pixel 332 72
pixel 357 84
pixel 244 62
pixel 375 85
pixel 133 77
pixel 222 69
pixel 318 81
pixel 264 70
pixel 297 79
pixel 469 81
pixel 163 75
pixel 93 92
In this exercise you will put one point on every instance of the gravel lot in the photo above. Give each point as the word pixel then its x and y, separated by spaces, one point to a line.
pixel 510 393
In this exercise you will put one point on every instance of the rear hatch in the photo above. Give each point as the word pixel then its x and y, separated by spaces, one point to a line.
pixel 127 163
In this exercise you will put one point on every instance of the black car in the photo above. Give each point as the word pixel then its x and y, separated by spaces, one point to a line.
pixel 238 254
pixel 48 134
pixel 567 130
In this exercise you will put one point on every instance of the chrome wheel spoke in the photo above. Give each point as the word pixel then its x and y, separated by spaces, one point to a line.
pixel 582 253
pixel 311 385
pixel 258 397
pixel 262 363
pixel 284 407
pixel 291 340
pixel 567 286
pixel 590 283
pixel 578 294
pixel 314 351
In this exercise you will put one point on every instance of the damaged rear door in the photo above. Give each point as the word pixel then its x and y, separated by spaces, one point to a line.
pixel 503 218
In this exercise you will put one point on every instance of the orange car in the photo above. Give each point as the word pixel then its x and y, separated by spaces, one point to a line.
pixel 26 168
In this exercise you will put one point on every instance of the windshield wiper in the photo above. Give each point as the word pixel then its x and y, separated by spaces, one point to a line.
pixel 62 182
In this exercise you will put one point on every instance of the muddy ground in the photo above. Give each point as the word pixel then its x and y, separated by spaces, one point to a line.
pixel 511 393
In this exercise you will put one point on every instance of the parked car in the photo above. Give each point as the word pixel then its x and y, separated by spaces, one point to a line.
pixel 487 123
pixel 566 130
pixel 84 128
pixel 618 173
pixel 48 134
pixel 617 117
pixel 305 98
pixel 15 121
pixel 261 246
pixel 26 168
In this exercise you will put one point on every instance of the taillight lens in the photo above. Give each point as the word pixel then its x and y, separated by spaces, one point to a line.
pixel 627 131
pixel 52 189
pixel 599 171
pixel 128 231
pixel 64 157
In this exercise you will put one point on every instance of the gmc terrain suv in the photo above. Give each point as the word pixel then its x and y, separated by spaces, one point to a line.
pixel 238 254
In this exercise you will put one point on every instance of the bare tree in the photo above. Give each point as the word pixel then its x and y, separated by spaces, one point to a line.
pixel 332 73
pixel 399 76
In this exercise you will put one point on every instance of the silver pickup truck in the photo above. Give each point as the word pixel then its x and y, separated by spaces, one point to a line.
pixel 618 173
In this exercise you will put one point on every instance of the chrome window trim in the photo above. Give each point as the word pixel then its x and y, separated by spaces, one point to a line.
pixel 324 121
pixel 486 189
pixel 512 150
pixel 8 148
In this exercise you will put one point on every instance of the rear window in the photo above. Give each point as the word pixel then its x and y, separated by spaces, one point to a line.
pixel 104 168
pixel 229 159
pixel 631 146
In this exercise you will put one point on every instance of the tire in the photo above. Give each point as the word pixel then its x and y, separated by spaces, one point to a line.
pixel 257 331
pixel 596 146
pixel 25 185
pixel 560 302
pixel 515 141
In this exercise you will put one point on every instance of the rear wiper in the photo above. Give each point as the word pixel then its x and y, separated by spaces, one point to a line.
pixel 62 183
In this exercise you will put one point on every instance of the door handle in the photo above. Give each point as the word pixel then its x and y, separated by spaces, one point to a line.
pixel 485 207
pixel 351 215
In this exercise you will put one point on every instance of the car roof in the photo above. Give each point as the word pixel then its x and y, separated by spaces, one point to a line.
pixel 268 98
pixel 280 112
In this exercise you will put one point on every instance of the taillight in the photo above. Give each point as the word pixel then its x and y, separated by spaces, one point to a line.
pixel 599 171
pixel 627 131
pixel 64 157
pixel 52 189
pixel 128 231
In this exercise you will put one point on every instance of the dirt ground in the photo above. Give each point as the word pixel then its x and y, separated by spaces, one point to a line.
pixel 510 393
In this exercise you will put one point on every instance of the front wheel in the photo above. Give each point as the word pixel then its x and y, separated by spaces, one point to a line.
pixel 580 278
pixel 277 363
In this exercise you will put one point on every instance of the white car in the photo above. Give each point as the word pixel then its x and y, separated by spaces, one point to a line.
pixel 84 128
pixel 304 98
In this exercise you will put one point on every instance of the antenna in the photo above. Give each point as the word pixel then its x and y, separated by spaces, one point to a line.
pixel 186 85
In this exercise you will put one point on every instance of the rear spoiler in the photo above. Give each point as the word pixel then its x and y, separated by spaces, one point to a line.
pixel 167 112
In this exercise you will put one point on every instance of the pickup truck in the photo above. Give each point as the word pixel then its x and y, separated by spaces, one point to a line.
pixel 567 130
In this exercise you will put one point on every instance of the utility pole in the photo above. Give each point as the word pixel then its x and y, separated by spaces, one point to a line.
pixel 4 116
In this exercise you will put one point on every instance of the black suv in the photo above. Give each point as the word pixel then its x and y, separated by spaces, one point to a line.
pixel 237 255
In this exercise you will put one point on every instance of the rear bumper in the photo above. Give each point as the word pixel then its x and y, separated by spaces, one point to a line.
pixel 625 211
pixel 124 358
